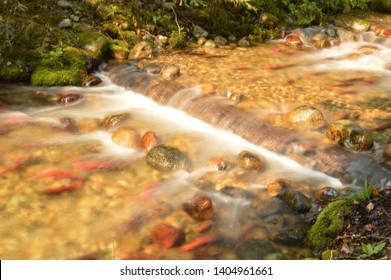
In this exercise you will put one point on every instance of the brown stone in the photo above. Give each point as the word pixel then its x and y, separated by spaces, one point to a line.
pixel 293 40
pixel 126 136
pixel 208 89
pixel 199 208
pixel 140 51
pixel 387 151
pixel 386 33
pixel 250 161
pixel 113 120
pixel 167 236
pixel 220 164
pixel 148 141
pixel 92 81
pixel 277 187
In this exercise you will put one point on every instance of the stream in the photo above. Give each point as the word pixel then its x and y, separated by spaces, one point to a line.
pixel 69 190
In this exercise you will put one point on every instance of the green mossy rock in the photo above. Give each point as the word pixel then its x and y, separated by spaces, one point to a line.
pixel 67 67
pixel 111 30
pixel 167 158
pixel 16 71
pixel 97 44
pixel 45 76
pixel 328 224
pixel 329 254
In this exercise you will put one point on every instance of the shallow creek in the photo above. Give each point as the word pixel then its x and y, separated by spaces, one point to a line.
pixel 116 199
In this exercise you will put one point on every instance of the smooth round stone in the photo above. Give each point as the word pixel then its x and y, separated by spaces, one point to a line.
pixel 167 158
pixel 170 72
pixel 126 137
pixel 199 208
pixel 293 40
pixel 326 194
pixel 148 141
pixel 305 117
pixel 66 23
pixel 250 161
pixel 297 201
pixel 277 187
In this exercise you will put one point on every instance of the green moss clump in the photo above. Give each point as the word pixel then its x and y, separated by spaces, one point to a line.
pixel 111 30
pixel 328 224
pixel 15 71
pixel 329 254
pixel 62 66
pixel 45 76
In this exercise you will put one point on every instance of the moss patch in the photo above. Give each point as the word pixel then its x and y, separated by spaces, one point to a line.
pixel 44 76
pixel 329 224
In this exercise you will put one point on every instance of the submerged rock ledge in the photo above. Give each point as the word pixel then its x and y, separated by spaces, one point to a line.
pixel 309 151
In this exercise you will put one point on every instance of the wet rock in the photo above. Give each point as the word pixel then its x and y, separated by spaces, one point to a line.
pixel 386 33
pixel 199 208
pixel 201 41
pixel 208 88
pixel 148 141
pixel 323 44
pixel 220 41
pixel 92 81
pixel 205 184
pixel 250 161
pixel 308 35
pixel 167 236
pixel 297 201
pixel 236 192
pixel 167 158
pixel 68 124
pixel 126 137
pixel 387 150
pixel 293 232
pixel 140 51
pixel 210 44
pixel 305 117
pixel 348 134
pixel 367 50
pixel 199 32
pixel 360 25
pixel 244 43
pixel 113 120
pixel 277 187
pixel 293 40
pixel 69 98
pixel 346 35
pixel 326 194
pixel 66 23
pixel 170 72
pixel 221 164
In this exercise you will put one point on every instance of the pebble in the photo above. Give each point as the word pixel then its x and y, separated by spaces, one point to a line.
pixel 293 40
pixel 277 187
pixel 167 236
pixel 66 23
pixel 126 137
pixel 148 141
pixel 297 201
pixel 250 161
pixel 199 208
pixel 64 4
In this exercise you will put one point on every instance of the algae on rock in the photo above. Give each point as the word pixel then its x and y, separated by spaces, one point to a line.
pixel 329 224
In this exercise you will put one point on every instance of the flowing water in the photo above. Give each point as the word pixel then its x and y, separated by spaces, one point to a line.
pixel 116 199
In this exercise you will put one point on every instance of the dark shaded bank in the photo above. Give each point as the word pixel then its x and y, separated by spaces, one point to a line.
pixel 309 151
